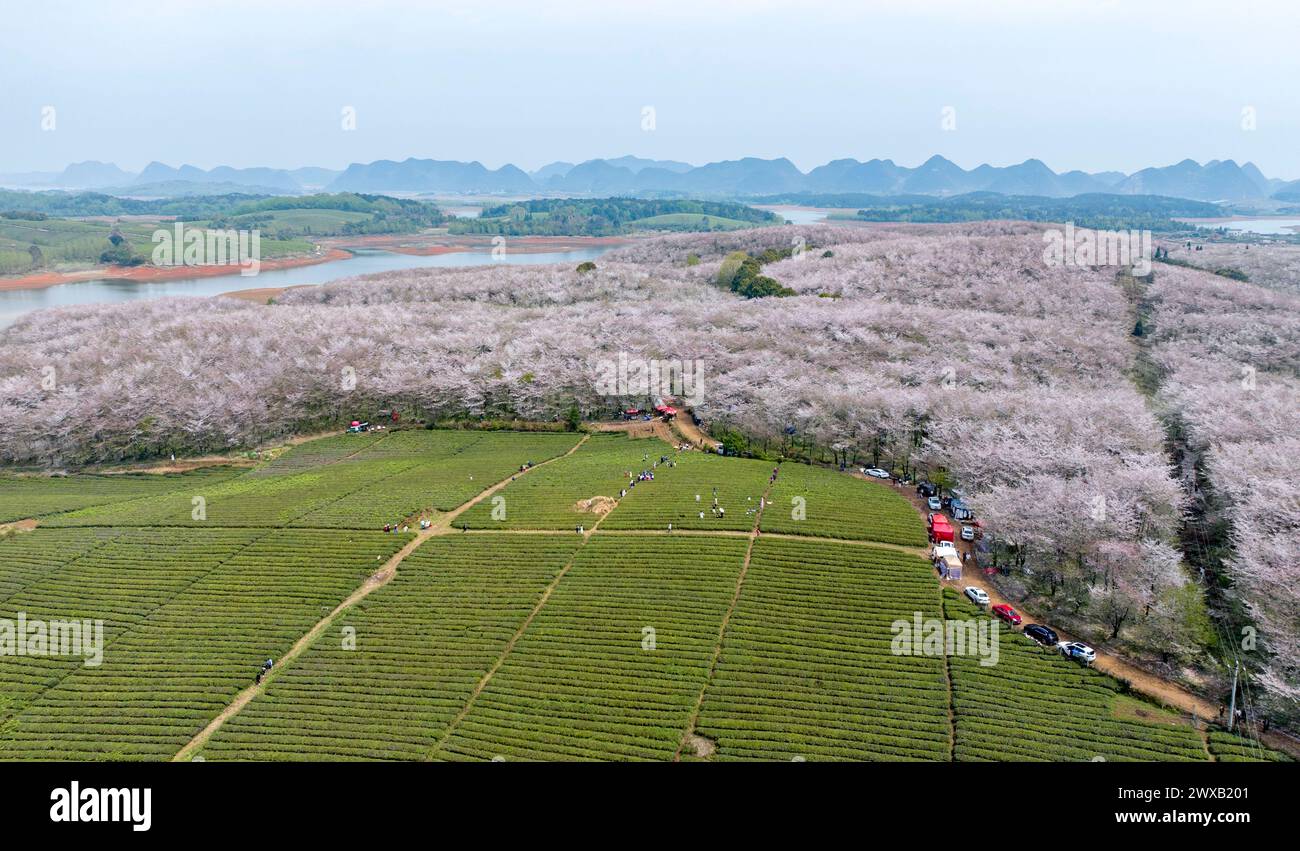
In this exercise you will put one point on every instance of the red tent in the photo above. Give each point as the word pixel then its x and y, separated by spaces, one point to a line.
pixel 940 529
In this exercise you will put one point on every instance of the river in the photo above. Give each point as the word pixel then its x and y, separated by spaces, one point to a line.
pixel 16 303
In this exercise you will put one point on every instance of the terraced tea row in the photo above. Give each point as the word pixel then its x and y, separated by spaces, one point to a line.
pixel 422 643
pixel 549 498
pixel 612 665
pixel 187 616
pixel 684 495
pixel 1035 705
pixel 22 497
pixel 527 646
pixel 695 491
pixel 382 480
pixel 819 502
pixel 807 669
pixel 440 480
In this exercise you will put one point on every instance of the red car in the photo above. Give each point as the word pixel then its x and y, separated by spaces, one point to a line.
pixel 1007 614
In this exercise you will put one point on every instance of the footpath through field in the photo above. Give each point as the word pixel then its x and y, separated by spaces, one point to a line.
pixel 378 579
pixel 702 746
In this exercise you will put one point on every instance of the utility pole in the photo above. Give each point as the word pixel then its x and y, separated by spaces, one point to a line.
pixel 1232 708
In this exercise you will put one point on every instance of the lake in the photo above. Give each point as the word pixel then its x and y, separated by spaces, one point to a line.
pixel 1278 226
pixel 796 215
pixel 16 303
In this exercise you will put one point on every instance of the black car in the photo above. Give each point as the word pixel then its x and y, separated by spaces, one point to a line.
pixel 927 489
pixel 1041 634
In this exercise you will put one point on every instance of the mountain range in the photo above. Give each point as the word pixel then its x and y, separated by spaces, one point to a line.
pixel 1217 180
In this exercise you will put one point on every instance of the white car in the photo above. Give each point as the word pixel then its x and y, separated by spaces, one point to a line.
pixel 944 548
pixel 876 473
pixel 978 596
pixel 1078 650
pixel 968 533
pixel 934 504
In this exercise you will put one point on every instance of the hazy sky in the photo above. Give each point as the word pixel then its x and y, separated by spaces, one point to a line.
pixel 1091 85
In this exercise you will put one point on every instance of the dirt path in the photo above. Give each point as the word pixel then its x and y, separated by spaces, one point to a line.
pixel 1145 682
pixel 703 746
pixel 504 654
pixel 1157 688
pixel 376 580
pixel 690 432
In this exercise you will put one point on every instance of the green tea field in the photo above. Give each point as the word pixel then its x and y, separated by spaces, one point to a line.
pixel 485 626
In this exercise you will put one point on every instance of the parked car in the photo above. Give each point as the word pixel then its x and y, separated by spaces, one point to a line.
pixel 978 596
pixel 933 503
pixel 944 548
pixel 1045 636
pixel 927 489
pixel 968 533
pixel 1007 614
pixel 876 473
pixel 1079 651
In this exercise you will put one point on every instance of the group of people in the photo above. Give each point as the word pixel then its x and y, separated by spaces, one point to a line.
pixel 266 667
pixel 393 527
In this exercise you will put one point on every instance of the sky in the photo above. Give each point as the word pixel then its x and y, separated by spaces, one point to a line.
pixel 1080 85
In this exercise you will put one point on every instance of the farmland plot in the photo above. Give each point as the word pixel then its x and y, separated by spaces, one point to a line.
pixel 834 505
pixel 189 615
pixel 121 579
pixel 614 662
pixel 679 494
pixel 807 670
pixel 28 558
pixel 422 644
pixel 1229 747
pixel 22 497
pixel 1035 705
pixel 548 498
pixel 248 501
pixel 344 484
pixel 452 468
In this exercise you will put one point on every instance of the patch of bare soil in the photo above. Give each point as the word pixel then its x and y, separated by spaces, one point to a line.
pixel 598 505
pixel 17 526
pixel 640 429
pixel 704 747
